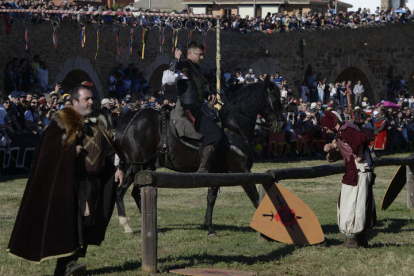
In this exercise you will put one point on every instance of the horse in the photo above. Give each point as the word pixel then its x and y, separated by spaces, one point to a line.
pixel 145 136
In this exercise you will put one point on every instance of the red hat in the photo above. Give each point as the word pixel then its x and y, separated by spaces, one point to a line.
pixel 329 120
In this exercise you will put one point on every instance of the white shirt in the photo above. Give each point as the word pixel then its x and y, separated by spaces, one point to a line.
pixel 171 78
pixel 112 82
pixel 43 77
pixel 241 79
pixel 283 94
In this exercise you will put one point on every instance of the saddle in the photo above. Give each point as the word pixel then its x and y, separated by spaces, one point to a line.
pixel 182 128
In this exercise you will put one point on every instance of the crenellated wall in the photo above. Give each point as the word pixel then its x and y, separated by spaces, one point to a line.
pixel 371 53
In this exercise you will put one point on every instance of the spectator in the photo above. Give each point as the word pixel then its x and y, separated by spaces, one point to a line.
pixel 278 80
pixel 31 117
pixel 251 73
pixel 321 90
pixel 42 76
pixel 359 92
pixel 342 93
pixel 35 64
pixel 304 92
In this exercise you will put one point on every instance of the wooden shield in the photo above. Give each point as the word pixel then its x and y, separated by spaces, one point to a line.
pixel 211 271
pixel 284 217
pixel 394 188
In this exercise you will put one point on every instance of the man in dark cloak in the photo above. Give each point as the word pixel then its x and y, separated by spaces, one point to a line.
pixel 70 193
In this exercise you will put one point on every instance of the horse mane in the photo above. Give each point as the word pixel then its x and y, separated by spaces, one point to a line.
pixel 247 101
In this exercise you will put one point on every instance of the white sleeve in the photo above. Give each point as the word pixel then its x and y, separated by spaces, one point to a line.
pixel 171 78
pixel 117 159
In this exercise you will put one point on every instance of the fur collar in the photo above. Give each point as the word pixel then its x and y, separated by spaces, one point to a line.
pixel 70 121
pixel 99 117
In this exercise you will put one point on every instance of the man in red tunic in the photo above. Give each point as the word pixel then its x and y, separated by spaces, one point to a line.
pixel 356 207
pixel 381 132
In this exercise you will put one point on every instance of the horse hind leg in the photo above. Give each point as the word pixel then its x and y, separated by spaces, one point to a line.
pixel 120 204
pixel 208 220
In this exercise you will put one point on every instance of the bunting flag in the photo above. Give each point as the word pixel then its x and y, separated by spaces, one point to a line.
pixel 98 32
pixel 205 41
pixel 8 26
pixel 55 42
pixel 82 36
pixel 118 30
pixel 179 39
pixel 144 40
pixel 26 37
pixel 131 37
pixel 190 34
pixel 175 39
pixel 162 38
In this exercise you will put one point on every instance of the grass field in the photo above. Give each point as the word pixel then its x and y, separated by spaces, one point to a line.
pixel 183 243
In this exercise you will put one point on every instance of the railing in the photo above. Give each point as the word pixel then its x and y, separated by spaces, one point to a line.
pixel 149 182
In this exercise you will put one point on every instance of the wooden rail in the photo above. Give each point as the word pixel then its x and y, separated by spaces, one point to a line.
pixel 149 182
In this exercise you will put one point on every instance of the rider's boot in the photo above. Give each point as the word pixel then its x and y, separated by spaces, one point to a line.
pixel 206 158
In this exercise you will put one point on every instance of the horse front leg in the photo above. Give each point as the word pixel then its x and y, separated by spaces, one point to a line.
pixel 253 194
pixel 208 220
pixel 127 181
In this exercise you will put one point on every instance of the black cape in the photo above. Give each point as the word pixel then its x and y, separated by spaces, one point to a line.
pixel 48 220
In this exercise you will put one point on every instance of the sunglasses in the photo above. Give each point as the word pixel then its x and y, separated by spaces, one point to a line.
pixel 34 102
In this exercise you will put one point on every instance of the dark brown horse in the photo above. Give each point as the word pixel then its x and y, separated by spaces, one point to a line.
pixel 145 137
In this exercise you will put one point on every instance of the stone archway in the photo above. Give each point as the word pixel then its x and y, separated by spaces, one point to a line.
pixel 155 80
pixel 76 77
pixel 354 74
pixel 77 69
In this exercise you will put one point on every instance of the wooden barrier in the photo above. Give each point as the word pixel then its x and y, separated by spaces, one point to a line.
pixel 149 182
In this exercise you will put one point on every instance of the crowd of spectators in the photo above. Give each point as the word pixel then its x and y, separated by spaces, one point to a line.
pixel 303 109
pixel 29 103
pixel 276 22
pixel 29 100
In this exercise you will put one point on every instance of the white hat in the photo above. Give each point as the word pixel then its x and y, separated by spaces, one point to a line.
pixel 375 112
pixel 313 106
pixel 250 70
pixel 105 101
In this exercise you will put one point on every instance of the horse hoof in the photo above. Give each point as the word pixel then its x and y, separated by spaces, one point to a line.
pixel 213 235
pixel 129 231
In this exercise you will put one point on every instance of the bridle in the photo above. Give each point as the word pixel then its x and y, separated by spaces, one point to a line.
pixel 277 124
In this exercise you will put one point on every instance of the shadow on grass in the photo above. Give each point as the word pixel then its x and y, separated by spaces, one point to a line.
pixel 207 259
pixel 127 266
pixel 330 228
pixel 197 226
pixel 394 226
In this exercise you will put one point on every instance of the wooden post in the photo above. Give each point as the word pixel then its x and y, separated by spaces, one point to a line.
pixel 262 193
pixel 263 188
pixel 149 229
pixel 148 223
pixel 410 187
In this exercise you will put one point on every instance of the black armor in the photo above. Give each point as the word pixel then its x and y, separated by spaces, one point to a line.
pixel 192 90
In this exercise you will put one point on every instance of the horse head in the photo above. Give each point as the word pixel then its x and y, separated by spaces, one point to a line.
pixel 273 113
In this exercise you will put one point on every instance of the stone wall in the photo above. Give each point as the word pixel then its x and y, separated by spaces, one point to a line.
pixel 374 52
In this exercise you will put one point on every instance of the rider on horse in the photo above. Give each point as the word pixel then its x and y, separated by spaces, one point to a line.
pixel 194 94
